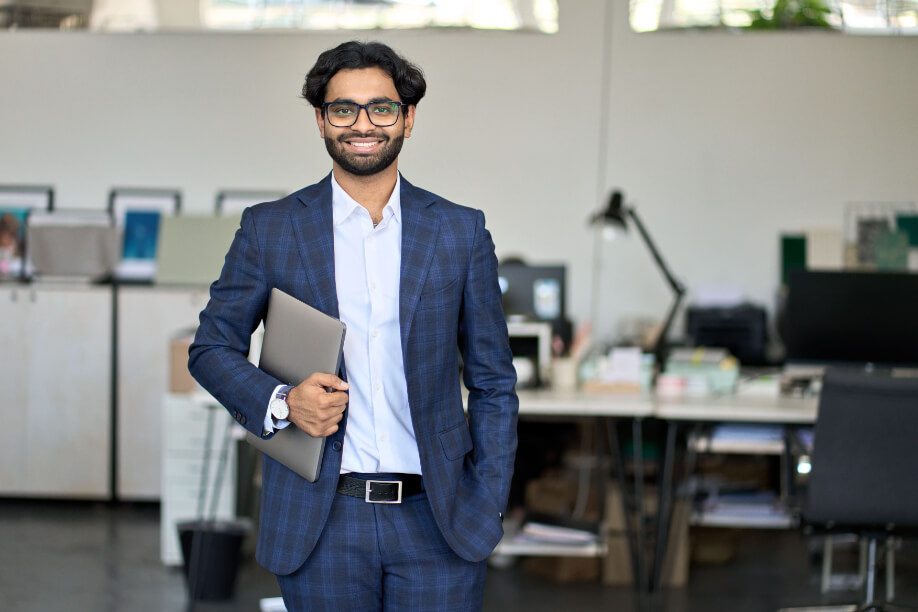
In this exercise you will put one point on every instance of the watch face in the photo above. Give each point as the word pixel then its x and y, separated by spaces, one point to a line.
pixel 279 409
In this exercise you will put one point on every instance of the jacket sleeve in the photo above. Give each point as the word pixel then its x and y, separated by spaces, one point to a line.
pixel 218 357
pixel 488 371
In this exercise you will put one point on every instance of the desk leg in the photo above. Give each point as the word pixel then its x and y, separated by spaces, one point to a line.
pixel 637 428
pixel 615 449
pixel 664 505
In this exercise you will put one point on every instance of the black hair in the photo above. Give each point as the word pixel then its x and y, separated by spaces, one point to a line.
pixel 408 78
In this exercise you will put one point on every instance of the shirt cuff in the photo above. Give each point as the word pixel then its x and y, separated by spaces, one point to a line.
pixel 271 424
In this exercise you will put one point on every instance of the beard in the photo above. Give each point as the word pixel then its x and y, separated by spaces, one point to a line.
pixel 361 164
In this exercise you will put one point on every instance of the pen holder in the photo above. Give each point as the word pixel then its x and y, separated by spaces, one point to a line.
pixel 564 374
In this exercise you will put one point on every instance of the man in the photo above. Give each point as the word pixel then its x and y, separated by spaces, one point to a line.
pixel 414 277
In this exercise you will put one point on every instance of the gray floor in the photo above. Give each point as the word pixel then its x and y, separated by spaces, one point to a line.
pixel 73 556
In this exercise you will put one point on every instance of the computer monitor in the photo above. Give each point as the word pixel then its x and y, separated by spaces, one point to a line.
pixel 853 318
pixel 532 293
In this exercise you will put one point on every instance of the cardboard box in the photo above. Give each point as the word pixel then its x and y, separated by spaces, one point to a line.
pixel 180 380
pixel 555 494
pixel 616 569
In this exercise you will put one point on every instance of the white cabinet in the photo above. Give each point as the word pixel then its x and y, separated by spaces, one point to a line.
pixel 148 317
pixel 55 384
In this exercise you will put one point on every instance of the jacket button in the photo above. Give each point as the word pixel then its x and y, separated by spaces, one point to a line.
pixel 336 445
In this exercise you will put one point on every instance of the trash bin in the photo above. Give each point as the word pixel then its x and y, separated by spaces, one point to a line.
pixel 210 554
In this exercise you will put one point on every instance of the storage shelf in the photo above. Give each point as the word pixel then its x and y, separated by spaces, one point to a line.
pixel 721 519
pixel 737 446
pixel 516 544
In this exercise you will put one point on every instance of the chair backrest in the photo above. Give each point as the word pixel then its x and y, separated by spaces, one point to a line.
pixel 865 455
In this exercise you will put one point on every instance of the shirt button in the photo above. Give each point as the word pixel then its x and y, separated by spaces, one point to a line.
pixel 377 386
pixel 375 333
pixel 370 239
pixel 373 285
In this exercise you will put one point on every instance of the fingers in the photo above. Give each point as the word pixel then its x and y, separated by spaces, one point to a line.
pixel 325 380
pixel 315 410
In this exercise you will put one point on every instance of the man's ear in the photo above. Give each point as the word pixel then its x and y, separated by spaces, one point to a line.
pixel 321 123
pixel 409 119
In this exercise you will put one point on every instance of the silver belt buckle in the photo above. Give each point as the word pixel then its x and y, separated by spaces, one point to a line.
pixel 398 499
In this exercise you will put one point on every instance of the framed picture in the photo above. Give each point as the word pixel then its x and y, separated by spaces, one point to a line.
pixel 137 214
pixel 234 201
pixel 16 203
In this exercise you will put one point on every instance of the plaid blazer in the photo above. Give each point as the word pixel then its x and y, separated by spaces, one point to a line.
pixel 449 304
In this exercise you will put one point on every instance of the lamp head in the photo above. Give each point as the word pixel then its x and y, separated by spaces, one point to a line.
pixel 612 217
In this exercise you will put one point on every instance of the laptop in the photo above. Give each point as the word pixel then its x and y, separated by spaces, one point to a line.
pixel 72 245
pixel 298 342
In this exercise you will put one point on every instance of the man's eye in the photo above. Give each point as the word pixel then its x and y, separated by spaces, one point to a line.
pixel 341 111
pixel 384 109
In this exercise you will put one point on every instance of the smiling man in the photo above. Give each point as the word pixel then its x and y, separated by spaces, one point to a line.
pixel 411 492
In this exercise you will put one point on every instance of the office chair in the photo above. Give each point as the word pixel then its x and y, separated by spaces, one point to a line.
pixel 863 466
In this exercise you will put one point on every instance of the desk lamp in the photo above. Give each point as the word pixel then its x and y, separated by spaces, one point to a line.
pixel 614 219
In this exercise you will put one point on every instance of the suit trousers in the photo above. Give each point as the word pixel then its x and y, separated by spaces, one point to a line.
pixel 389 557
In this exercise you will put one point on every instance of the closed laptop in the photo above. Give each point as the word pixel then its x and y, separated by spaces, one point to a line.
pixel 298 342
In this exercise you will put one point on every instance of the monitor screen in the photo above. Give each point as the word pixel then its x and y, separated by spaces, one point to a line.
pixel 852 317
pixel 532 293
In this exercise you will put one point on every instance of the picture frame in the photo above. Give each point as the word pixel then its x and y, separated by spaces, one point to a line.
pixel 17 202
pixel 234 201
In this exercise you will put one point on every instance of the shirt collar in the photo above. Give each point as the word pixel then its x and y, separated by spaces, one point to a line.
pixel 343 205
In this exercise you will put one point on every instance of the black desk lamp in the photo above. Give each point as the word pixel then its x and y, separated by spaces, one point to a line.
pixel 615 217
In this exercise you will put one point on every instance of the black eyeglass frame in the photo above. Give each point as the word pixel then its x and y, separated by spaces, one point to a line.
pixel 365 107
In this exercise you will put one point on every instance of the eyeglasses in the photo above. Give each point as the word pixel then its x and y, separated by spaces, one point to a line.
pixel 344 114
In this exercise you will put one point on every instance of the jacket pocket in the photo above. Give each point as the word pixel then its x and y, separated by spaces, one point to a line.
pixel 456 442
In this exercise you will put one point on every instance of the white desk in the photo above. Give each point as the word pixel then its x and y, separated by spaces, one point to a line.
pixel 738 409
pixel 584 404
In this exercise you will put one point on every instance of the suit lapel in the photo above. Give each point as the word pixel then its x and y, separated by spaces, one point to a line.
pixel 420 226
pixel 315 239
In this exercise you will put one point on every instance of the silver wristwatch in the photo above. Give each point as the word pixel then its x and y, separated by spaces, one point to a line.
pixel 278 406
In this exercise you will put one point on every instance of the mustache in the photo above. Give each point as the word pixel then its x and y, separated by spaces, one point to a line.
pixel 382 136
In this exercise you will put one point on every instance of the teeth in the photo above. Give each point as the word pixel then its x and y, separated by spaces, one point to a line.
pixel 364 145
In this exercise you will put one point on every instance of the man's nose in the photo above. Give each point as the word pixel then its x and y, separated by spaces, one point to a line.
pixel 363 120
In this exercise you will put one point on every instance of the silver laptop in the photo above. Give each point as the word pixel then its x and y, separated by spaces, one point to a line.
pixel 299 341
pixel 71 245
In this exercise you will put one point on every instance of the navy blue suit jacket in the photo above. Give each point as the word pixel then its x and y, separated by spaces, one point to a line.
pixel 449 303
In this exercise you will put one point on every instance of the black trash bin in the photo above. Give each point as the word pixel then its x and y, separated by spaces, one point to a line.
pixel 210 552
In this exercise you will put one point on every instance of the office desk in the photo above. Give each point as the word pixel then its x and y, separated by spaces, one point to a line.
pixel 584 404
pixel 737 409
pixel 676 412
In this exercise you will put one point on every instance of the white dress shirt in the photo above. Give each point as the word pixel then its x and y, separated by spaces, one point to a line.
pixel 379 436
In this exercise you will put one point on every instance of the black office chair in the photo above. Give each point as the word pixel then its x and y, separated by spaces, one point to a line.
pixel 864 461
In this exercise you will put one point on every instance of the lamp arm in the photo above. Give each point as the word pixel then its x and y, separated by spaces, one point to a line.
pixel 677 287
pixel 659 349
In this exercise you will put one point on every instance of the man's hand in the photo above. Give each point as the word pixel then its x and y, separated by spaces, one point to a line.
pixel 315 410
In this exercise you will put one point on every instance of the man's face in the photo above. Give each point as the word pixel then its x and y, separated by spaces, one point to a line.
pixel 363 148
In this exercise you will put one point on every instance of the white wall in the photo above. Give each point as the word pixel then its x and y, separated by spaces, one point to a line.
pixel 721 141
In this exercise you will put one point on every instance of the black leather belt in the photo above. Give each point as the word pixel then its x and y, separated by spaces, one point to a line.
pixel 389 489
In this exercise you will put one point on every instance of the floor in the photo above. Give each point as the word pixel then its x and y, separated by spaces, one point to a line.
pixel 97 557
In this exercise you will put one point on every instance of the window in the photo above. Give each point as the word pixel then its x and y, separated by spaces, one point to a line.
pixel 849 16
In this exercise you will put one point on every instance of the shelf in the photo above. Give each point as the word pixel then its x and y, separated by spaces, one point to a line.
pixel 517 544
pixel 750 521
pixel 737 446
pixel 741 439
